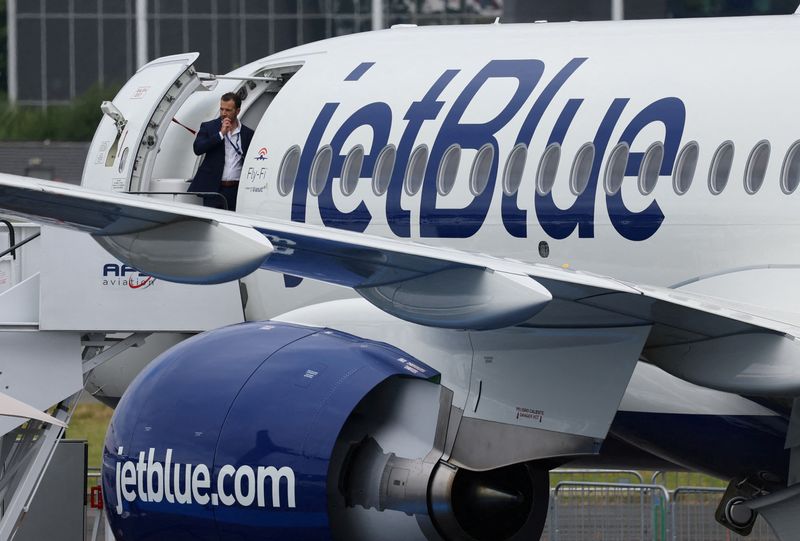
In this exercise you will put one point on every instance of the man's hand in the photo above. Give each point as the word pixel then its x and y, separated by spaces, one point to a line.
pixel 227 126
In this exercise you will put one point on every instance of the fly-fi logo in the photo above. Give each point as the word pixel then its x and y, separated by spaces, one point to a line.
pixel 149 480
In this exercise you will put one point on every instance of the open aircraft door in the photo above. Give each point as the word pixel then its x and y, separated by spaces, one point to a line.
pixel 127 140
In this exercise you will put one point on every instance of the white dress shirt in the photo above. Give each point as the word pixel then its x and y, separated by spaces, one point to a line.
pixel 233 154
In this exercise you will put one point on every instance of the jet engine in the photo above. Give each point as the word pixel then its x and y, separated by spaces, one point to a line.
pixel 279 431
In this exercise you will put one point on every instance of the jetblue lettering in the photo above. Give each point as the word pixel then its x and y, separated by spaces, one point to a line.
pixel 465 222
pixel 378 117
pixel 515 219
pixel 426 109
pixel 643 225
pixel 436 221
pixel 559 223
pixel 300 195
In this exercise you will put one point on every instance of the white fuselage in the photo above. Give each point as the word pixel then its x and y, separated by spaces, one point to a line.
pixel 672 82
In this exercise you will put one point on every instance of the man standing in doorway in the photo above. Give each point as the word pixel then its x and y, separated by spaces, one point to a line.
pixel 224 141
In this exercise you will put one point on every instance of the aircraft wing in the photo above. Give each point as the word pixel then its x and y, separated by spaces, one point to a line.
pixel 692 335
pixel 11 407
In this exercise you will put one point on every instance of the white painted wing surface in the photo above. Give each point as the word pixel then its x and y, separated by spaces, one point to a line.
pixel 433 286
pixel 12 407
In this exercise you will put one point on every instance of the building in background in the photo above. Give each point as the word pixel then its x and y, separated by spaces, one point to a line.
pixel 60 48
pixel 588 10
pixel 63 47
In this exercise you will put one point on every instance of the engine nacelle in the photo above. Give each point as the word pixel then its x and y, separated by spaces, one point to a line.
pixel 279 431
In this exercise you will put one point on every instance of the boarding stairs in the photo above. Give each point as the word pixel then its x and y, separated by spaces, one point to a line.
pixel 67 311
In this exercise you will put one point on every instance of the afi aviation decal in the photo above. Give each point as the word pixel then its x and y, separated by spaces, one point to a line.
pixel 121 275
pixel 435 221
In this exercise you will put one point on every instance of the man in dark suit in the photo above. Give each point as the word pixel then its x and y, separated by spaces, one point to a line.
pixel 224 141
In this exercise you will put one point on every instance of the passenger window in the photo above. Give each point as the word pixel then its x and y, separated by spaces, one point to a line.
pixel 515 166
pixel 287 174
pixel 790 172
pixel 320 169
pixel 351 170
pixel 448 170
pixel 548 167
pixel 415 172
pixel 720 168
pixel 685 167
pixel 756 168
pixel 615 168
pixel 581 169
pixel 481 169
pixel 384 166
pixel 650 168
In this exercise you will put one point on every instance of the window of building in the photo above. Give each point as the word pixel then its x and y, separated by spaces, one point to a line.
pixel 720 168
pixel 756 168
pixel 287 173
pixel 685 167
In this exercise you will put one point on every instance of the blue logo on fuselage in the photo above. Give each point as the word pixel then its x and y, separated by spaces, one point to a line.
pixel 435 221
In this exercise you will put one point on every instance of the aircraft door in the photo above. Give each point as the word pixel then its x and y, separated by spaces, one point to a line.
pixel 126 142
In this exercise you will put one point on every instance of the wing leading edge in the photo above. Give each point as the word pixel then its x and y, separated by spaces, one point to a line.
pixel 432 286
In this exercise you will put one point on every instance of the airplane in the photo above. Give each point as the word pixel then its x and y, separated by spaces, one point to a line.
pixel 568 241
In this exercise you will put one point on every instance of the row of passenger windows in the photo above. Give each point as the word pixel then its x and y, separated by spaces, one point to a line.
pixel 649 171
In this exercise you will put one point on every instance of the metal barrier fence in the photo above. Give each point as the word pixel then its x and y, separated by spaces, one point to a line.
pixel 692 517
pixel 619 511
pixel 583 511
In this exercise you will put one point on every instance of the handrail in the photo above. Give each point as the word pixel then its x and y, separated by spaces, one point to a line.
pixel 595 485
pixel 20 244
pixel 11 239
pixel 197 194
pixel 572 471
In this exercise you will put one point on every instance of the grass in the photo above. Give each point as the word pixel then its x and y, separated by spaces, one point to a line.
pixel 89 422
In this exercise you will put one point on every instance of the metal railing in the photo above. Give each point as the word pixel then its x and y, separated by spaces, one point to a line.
pixel 594 473
pixel 692 517
pixel 637 511
pixel 608 511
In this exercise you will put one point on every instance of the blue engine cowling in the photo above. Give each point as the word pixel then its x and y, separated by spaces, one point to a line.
pixel 229 435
